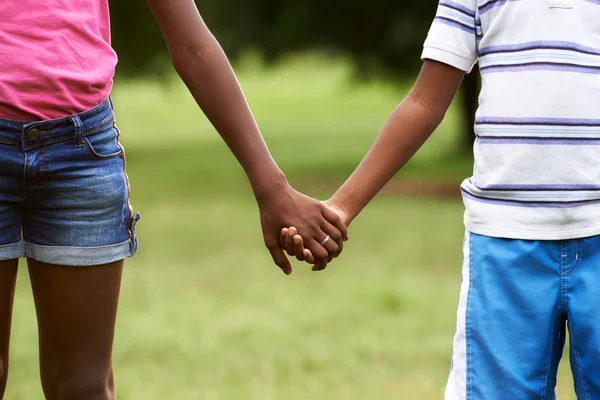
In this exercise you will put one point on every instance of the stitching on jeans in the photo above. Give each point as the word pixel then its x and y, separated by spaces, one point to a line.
pixel 546 373
pixel 9 142
pixel 129 206
pixel 578 257
pixel 585 388
pixel 469 383
pixel 43 168
pixel 70 136
pixel 563 275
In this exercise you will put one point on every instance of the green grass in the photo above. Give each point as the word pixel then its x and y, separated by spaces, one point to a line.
pixel 205 315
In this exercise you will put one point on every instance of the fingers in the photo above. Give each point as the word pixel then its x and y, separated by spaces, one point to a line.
pixel 320 254
pixel 336 221
pixel 308 257
pixel 336 237
pixel 299 247
pixel 331 247
pixel 289 241
pixel 282 236
pixel 293 244
pixel 280 259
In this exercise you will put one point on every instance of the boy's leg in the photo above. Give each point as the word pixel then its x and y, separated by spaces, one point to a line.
pixel 76 310
pixel 8 277
pixel 583 298
pixel 510 331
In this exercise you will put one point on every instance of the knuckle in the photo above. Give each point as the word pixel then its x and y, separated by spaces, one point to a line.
pixel 337 236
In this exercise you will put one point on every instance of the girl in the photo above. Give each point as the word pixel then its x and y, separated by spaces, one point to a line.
pixel 64 194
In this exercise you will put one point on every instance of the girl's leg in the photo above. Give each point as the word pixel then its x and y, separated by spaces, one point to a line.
pixel 8 277
pixel 76 309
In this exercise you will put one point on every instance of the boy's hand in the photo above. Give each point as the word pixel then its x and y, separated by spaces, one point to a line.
pixel 313 219
pixel 293 243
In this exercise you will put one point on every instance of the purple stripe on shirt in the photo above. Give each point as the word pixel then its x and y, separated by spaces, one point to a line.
pixel 492 4
pixel 557 141
pixel 456 24
pixel 539 45
pixel 537 121
pixel 593 1
pixel 528 204
pixel 458 7
pixel 541 66
pixel 538 188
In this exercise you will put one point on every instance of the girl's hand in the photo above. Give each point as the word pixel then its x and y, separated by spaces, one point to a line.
pixel 293 243
pixel 283 206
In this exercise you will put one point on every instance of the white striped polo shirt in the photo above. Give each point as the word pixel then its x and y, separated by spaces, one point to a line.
pixel 537 148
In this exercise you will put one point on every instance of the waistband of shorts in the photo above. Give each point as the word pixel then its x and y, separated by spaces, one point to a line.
pixel 95 119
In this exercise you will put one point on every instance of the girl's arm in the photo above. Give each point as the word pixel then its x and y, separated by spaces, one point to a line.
pixel 203 66
pixel 409 126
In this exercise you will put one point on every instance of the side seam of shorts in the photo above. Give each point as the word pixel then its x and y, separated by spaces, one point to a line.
pixel 458 387
pixel 133 217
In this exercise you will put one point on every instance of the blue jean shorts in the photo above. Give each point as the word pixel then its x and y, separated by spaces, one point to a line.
pixel 518 300
pixel 64 193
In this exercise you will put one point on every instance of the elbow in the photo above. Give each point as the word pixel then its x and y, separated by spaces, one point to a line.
pixel 432 116
pixel 186 58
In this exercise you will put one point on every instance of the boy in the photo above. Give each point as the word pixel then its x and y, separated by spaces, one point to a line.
pixel 64 194
pixel 531 252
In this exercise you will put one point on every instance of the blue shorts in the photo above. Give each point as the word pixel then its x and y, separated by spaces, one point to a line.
pixel 64 193
pixel 518 298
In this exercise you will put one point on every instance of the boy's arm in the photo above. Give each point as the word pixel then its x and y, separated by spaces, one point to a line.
pixel 203 66
pixel 409 126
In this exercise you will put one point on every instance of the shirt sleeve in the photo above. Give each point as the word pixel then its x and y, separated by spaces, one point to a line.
pixel 454 34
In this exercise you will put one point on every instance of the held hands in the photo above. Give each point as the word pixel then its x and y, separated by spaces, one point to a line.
pixel 312 219
pixel 291 241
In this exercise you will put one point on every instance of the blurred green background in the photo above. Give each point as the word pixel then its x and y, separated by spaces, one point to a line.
pixel 204 313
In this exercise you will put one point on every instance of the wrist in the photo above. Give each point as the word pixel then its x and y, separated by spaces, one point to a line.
pixel 346 212
pixel 265 186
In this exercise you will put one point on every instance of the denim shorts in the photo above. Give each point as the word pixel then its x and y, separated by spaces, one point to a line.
pixel 64 193
pixel 518 300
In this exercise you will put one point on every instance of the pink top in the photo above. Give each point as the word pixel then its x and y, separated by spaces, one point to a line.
pixel 55 57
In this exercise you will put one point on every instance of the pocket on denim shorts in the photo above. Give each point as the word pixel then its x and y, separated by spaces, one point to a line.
pixel 104 144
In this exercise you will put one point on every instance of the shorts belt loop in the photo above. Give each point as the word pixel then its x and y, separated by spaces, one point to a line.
pixel 78 140
pixel 112 106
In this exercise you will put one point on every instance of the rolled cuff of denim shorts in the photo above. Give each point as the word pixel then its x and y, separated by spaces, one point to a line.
pixel 80 256
pixel 11 251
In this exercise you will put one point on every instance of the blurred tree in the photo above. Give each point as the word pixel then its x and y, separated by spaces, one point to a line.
pixel 383 38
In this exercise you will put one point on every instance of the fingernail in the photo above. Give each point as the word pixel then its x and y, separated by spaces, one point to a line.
pixel 346 238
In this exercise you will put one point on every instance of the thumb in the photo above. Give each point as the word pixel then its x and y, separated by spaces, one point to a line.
pixel 280 259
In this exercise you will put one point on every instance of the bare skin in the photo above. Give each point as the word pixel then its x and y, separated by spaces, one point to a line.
pixel 407 129
pixel 8 277
pixel 203 66
pixel 76 307
pixel 76 310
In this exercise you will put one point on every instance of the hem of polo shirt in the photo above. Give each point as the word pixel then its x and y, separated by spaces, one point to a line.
pixel 448 55
pixel 531 234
